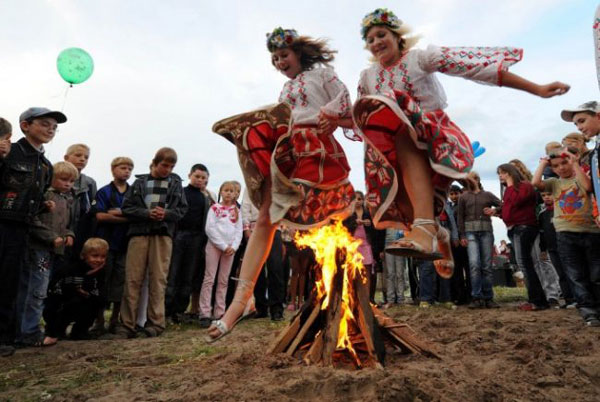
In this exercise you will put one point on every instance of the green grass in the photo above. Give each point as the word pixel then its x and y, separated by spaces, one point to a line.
pixel 509 295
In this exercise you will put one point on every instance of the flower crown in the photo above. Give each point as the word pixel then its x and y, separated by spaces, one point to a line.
pixel 280 38
pixel 381 16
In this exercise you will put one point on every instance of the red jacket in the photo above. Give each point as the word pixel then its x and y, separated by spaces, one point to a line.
pixel 518 206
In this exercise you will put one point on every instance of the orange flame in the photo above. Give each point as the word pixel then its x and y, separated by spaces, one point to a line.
pixel 325 241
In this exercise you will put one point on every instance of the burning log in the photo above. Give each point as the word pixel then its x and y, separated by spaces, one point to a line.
pixel 338 321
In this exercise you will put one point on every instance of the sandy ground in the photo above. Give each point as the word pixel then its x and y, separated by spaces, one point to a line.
pixel 487 355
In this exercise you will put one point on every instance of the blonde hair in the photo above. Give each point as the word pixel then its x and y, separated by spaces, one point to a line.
pixel 552 146
pixel 76 147
pixel 578 137
pixel 121 160
pixel 525 173
pixel 407 39
pixel 65 169
pixel 94 244
pixel 165 154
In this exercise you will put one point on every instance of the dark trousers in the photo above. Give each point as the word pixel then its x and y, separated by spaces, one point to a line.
pixel 271 279
pixel 188 250
pixel 13 245
pixel 523 238
pixel 61 311
pixel 580 256
pixel 563 279
pixel 235 268
pixel 460 286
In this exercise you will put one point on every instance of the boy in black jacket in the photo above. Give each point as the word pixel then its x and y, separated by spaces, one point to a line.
pixel 25 175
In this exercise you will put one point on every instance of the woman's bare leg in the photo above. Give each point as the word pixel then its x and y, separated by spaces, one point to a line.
pixel 257 251
pixel 416 175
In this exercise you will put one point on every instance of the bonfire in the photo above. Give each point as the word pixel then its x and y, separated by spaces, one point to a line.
pixel 337 325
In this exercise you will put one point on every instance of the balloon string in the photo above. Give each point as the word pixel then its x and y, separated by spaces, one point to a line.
pixel 62 109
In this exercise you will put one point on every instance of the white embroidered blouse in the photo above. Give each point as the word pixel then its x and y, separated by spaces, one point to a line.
pixel 224 226
pixel 313 91
pixel 414 72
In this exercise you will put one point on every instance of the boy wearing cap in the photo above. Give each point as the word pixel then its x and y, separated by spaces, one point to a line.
pixel 586 118
pixel 25 174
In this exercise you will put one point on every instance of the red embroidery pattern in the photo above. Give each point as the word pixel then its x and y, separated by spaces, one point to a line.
pixel 463 59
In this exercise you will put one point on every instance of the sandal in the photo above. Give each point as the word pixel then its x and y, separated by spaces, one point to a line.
pixel 411 248
pixel 243 295
pixel 444 266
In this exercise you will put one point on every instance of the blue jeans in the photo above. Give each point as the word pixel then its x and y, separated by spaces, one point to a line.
pixel 580 257
pixel 523 240
pixel 32 291
pixel 426 279
pixel 479 251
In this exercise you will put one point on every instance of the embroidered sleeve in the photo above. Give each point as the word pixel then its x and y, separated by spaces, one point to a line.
pixel 339 104
pixel 480 64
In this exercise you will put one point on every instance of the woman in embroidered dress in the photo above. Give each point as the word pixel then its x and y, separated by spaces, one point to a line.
pixel 295 170
pixel 413 150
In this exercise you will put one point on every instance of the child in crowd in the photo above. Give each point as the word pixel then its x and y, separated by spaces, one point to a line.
pixel 25 175
pixel 224 231
pixel 203 176
pixel 461 278
pixel 413 151
pixel 395 266
pixel 586 118
pixel 112 226
pixel 85 194
pixel 576 232
pixel 286 169
pixel 188 245
pixel 518 214
pixel 575 143
pixel 74 294
pixel 548 245
pixel 47 245
pixel 5 135
pixel 153 204
pixel 551 147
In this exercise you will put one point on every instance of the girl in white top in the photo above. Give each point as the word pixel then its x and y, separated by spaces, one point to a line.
pixel 296 172
pixel 413 151
pixel 224 232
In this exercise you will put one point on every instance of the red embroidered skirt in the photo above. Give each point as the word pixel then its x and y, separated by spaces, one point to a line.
pixel 449 151
pixel 308 169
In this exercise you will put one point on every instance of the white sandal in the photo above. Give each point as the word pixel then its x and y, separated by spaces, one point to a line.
pixel 243 295
pixel 411 248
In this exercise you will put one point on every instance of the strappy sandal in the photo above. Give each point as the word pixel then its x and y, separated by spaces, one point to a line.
pixel 444 266
pixel 411 248
pixel 243 295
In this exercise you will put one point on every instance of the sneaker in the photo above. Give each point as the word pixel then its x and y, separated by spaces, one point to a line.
pixel 571 305
pixel 449 305
pixel 476 303
pixel 553 303
pixel 491 304
pixel 277 316
pixel 592 322
pixel 7 350
pixel 424 304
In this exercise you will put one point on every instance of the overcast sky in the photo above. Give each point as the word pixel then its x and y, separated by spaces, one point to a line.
pixel 165 71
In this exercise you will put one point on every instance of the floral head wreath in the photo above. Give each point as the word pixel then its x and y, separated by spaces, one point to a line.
pixel 381 16
pixel 281 38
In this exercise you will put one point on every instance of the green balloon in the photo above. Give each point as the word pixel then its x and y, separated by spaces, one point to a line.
pixel 75 65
